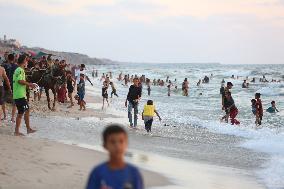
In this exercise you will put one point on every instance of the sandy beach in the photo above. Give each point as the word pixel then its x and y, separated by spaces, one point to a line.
pixel 33 162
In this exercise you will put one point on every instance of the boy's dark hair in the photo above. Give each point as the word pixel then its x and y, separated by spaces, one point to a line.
pixel 110 83
pixel 11 57
pixel 253 100
pixel 82 65
pixel 112 129
pixel 150 102
pixel 257 95
pixel 273 102
pixel 21 59
pixel 230 83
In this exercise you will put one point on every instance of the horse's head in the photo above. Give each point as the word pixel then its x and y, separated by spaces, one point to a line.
pixel 36 76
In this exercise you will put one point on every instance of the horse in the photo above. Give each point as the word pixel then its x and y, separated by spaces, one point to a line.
pixel 50 78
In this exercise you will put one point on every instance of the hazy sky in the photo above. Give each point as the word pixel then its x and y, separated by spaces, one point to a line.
pixel 225 31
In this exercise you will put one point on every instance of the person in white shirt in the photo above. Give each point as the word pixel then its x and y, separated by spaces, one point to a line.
pixel 80 71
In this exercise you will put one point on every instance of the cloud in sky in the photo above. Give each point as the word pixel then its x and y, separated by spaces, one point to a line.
pixel 162 8
pixel 229 31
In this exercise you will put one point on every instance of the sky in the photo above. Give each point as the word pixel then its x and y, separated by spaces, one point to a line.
pixel 154 31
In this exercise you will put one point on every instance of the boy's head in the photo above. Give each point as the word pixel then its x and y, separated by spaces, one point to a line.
pixel 11 57
pixel 253 101
pixel 115 140
pixel 22 60
pixel 230 85
pixel 136 81
pixel 150 102
pixel 257 95
pixel 273 103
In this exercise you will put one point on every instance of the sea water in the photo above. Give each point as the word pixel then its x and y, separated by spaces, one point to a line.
pixel 190 126
pixel 202 108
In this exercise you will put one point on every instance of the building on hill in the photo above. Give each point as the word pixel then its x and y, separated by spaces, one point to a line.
pixel 10 42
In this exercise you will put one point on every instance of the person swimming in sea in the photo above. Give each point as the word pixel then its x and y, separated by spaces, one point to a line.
pixel 198 83
pixel 245 84
pixel 272 108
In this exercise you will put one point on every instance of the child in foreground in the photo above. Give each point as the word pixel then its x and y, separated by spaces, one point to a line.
pixel 148 115
pixel 272 108
pixel 115 173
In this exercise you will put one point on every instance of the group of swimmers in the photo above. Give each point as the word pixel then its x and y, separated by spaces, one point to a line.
pixel 231 111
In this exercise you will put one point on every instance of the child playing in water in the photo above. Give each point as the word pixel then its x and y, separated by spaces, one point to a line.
pixel 115 173
pixel 169 88
pixel 259 109
pixel 81 92
pixel 148 115
pixel 104 93
pixel 253 106
pixel 230 109
pixel 272 108
pixel 113 92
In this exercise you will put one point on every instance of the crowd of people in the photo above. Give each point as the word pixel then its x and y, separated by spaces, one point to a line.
pixel 15 89
pixel 135 91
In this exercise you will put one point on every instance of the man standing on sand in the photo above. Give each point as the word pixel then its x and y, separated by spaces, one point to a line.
pixel 10 66
pixel 133 98
pixel 19 95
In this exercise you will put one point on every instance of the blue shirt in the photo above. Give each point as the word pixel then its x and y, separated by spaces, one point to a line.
pixel 103 177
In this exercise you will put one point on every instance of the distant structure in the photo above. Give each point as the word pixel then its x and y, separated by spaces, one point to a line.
pixel 10 42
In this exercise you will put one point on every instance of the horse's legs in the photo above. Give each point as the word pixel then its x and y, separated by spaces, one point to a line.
pixel 48 98
pixel 54 97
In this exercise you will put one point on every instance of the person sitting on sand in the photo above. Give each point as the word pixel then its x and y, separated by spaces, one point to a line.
pixel 105 94
pixel 115 173
pixel 230 109
pixel 19 95
pixel 113 90
pixel 272 108
pixel 148 114
pixel 81 92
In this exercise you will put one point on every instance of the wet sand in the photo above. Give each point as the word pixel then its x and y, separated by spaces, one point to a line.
pixel 213 161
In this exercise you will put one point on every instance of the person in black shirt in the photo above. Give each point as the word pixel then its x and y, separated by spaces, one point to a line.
pixel 133 98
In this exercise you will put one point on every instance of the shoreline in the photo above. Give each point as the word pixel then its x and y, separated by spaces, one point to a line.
pixel 196 174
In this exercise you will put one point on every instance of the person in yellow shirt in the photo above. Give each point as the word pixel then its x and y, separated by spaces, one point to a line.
pixel 148 114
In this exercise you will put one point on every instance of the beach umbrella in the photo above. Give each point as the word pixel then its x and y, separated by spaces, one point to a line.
pixel 40 54
pixel 32 53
